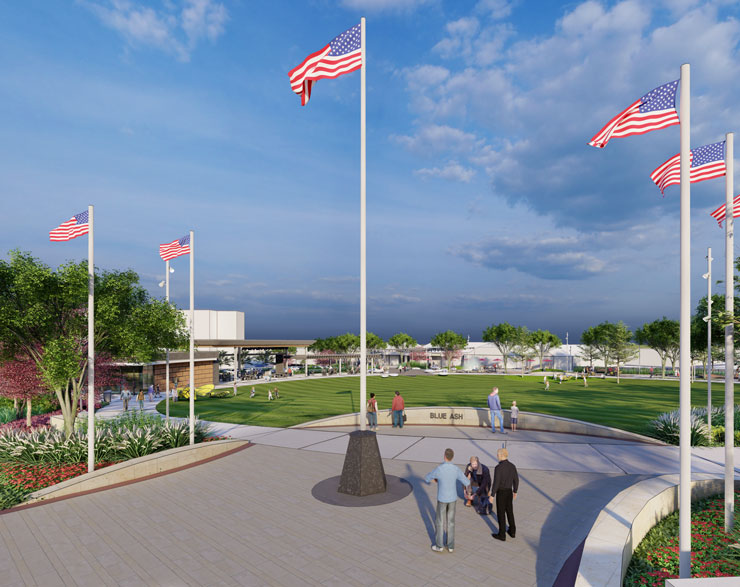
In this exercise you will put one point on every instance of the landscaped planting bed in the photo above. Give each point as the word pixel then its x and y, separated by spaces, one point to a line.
pixel 714 553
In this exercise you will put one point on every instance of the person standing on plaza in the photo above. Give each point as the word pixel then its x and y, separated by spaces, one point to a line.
pixel 140 397
pixel 505 486
pixel 514 415
pixel 125 396
pixel 446 475
pixel 372 412
pixel 494 406
pixel 397 408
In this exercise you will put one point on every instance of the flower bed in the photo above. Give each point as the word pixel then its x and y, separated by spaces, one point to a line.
pixel 656 558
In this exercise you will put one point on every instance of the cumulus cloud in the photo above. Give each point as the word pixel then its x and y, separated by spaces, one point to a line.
pixel 453 171
pixel 436 138
pixel 175 29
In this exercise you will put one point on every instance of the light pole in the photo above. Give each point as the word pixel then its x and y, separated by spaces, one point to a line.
pixel 166 285
pixel 708 320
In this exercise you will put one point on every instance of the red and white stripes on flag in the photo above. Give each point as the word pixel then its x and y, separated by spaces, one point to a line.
pixel 706 162
pixel 720 213
pixel 655 110
pixel 342 55
pixel 176 248
pixel 76 226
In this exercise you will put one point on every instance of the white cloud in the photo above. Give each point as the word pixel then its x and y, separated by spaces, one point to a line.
pixel 453 171
pixel 495 9
pixel 435 138
pixel 175 29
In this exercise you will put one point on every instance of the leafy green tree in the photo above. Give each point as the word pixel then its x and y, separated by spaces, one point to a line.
pixel 43 316
pixel 451 343
pixel 599 337
pixel 621 349
pixel 348 343
pixel 403 342
pixel 662 336
pixel 505 336
pixel 543 341
pixel 525 348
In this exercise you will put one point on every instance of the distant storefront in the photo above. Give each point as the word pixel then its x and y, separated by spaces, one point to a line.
pixel 141 375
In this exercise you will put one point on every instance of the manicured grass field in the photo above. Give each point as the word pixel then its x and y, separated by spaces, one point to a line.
pixel 629 405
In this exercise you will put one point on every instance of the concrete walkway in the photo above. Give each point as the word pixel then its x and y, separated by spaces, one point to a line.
pixel 250 519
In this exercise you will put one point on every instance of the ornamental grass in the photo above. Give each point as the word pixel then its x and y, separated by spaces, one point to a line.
pixel 713 552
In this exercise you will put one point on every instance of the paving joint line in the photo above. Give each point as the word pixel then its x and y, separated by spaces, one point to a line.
pixel 408 447
pixel 325 440
pixel 609 459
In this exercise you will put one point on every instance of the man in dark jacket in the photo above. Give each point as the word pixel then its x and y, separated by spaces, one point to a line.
pixel 505 486
pixel 480 478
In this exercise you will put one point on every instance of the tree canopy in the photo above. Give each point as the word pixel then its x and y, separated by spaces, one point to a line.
pixel 505 336
pixel 450 342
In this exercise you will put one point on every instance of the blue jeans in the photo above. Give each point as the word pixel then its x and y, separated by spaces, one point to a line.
pixel 445 510
pixel 372 419
pixel 398 418
pixel 497 414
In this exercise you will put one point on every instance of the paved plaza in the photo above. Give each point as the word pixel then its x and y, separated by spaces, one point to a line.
pixel 250 519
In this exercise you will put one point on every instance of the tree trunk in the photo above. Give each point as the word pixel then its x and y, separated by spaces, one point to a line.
pixel 28 412
pixel 662 366
pixel 617 372
pixel 15 407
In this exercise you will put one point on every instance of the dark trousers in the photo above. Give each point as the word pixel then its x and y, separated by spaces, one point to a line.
pixel 505 510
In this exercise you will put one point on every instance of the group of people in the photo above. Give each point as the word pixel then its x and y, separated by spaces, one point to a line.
pixel 494 407
pixel 479 490
pixel 397 411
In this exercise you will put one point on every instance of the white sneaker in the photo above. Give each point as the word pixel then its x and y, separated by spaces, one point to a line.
pixel 451 549
pixel 436 548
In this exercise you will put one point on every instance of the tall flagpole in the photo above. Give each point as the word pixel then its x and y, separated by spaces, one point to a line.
pixel 708 320
pixel 167 368
pixel 729 347
pixel 684 516
pixel 192 340
pixel 363 238
pixel 90 344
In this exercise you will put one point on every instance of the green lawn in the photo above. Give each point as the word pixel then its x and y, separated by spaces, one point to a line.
pixel 629 405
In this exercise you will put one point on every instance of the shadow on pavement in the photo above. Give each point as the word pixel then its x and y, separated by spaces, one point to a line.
pixel 427 510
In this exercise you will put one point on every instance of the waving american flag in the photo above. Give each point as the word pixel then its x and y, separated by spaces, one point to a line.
pixel 655 110
pixel 707 162
pixel 76 226
pixel 178 247
pixel 720 213
pixel 342 55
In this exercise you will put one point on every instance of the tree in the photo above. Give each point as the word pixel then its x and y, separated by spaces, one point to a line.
pixel 589 351
pixel 599 337
pixel 20 380
pixel 621 349
pixel 451 343
pixel 402 342
pixel 662 336
pixel 43 317
pixel 419 354
pixel 524 348
pixel 373 343
pixel 542 341
pixel 505 336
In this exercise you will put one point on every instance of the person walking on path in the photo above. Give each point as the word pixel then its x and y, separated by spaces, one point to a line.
pixel 140 397
pixel 514 415
pixel 125 396
pixel 397 408
pixel 150 392
pixel 480 477
pixel 372 412
pixel 505 486
pixel 494 405
pixel 446 475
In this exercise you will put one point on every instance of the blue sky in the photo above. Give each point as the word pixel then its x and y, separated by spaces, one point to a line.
pixel 484 202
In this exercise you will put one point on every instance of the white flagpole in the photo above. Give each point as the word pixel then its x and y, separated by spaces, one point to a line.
pixel 167 367
pixel 363 235
pixel 709 338
pixel 192 340
pixel 729 331
pixel 684 516
pixel 90 344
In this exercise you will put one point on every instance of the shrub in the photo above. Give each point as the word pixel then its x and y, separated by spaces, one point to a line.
pixel 718 436
pixel 666 427
pixel 7 414
pixel 138 443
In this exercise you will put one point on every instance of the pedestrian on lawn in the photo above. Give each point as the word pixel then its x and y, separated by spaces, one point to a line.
pixel 277 393
pixel 505 486
pixel 494 406
pixel 585 380
pixel 446 475
pixel 547 384
pixel 253 392
pixel 372 412
pixel 480 478
pixel 514 415
pixel 397 408
pixel 269 394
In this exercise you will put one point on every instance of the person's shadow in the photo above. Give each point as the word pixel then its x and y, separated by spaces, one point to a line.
pixel 427 510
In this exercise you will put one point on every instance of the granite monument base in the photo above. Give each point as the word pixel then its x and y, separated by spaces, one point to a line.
pixel 363 472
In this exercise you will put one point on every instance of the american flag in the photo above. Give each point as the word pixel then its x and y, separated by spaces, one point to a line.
pixel 719 214
pixel 707 162
pixel 655 110
pixel 180 246
pixel 76 226
pixel 340 56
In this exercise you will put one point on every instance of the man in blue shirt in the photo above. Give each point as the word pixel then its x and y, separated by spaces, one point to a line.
pixel 494 405
pixel 446 475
